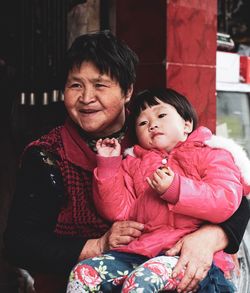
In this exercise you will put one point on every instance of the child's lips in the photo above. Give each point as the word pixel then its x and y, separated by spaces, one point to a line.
pixel 156 134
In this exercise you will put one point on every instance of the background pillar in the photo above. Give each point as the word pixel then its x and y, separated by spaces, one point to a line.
pixel 176 44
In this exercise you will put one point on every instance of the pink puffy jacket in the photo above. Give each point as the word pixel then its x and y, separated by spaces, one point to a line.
pixel 207 185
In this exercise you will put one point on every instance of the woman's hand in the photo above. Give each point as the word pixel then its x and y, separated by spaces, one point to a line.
pixel 121 233
pixel 196 252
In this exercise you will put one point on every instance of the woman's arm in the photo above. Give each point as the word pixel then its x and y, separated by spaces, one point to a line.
pixel 206 241
pixel 30 242
pixel 236 225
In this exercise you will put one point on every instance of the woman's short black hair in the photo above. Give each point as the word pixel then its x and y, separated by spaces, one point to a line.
pixel 151 97
pixel 109 54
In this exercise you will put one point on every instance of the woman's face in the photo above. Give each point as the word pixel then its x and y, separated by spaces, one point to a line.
pixel 95 101
pixel 161 127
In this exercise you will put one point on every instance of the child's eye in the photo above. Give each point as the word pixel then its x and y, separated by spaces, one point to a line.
pixel 142 123
pixel 162 115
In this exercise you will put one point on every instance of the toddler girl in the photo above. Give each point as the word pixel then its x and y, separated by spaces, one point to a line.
pixel 174 179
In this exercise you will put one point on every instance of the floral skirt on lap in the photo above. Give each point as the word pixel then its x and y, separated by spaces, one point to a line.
pixel 123 272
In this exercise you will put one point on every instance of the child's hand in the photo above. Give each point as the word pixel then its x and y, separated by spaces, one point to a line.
pixel 160 181
pixel 108 147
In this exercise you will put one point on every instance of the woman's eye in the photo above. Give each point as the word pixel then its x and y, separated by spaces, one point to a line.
pixel 99 85
pixel 75 85
pixel 162 115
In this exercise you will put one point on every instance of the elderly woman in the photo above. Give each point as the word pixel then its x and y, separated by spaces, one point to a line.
pixel 53 222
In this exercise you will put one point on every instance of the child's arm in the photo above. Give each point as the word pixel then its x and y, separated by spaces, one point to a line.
pixel 219 192
pixel 112 183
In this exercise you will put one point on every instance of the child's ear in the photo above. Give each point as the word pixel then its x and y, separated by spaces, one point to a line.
pixel 188 127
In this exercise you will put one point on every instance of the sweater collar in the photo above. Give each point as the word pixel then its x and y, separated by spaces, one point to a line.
pixel 78 151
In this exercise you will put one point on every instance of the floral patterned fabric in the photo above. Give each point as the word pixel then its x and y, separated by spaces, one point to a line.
pixel 122 272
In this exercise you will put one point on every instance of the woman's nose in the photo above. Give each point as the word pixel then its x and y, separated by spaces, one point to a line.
pixel 87 96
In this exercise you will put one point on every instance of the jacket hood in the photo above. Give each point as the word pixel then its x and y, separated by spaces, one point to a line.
pixel 239 154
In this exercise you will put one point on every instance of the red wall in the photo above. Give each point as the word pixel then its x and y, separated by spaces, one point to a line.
pixel 191 54
pixel 176 44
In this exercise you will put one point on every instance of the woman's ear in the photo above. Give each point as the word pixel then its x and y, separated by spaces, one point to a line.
pixel 188 127
pixel 129 94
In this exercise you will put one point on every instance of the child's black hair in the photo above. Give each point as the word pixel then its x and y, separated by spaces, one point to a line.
pixel 151 97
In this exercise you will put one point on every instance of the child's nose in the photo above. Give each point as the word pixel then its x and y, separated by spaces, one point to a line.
pixel 152 127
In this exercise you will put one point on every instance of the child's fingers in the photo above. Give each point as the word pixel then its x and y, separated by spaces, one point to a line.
pixel 99 143
pixel 150 182
pixel 161 174
pixel 158 175
pixel 170 171
pixel 109 142
pixel 115 141
pixel 106 141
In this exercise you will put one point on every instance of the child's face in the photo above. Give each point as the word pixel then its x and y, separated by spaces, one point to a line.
pixel 161 127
